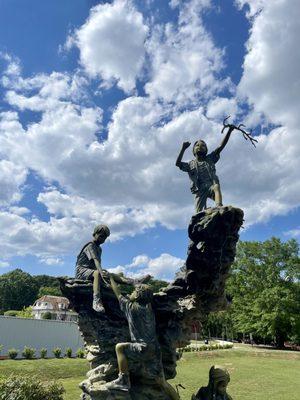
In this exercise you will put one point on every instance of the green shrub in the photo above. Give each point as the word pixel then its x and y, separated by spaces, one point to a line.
pixel 26 312
pixel 11 313
pixel 28 353
pixel 17 387
pixel 69 352
pixel 43 353
pixel 80 353
pixel 57 352
pixel 47 315
pixel 13 353
pixel 205 347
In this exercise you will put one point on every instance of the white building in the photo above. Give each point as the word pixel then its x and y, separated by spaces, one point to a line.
pixel 58 307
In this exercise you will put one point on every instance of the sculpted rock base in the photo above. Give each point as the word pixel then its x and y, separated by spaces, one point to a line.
pixel 198 288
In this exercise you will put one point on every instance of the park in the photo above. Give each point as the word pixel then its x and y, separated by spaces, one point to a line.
pixel 149 200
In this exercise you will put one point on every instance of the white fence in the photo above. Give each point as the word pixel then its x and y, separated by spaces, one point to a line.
pixel 19 332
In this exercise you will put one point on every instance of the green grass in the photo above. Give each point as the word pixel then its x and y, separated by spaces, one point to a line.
pixel 70 372
pixel 259 375
pixel 255 373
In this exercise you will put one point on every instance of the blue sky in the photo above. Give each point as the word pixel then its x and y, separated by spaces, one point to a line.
pixel 96 99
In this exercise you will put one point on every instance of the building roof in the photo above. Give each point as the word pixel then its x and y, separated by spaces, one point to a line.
pixel 54 301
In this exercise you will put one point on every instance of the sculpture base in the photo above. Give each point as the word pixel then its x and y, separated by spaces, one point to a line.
pixel 99 391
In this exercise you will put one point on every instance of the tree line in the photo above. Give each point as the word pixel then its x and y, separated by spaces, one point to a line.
pixel 19 289
pixel 264 295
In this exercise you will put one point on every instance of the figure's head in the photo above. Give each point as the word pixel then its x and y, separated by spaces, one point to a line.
pixel 101 233
pixel 200 148
pixel 142 294
pixel 219 379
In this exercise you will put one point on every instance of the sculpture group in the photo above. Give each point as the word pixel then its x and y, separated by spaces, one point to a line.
pixel 131 340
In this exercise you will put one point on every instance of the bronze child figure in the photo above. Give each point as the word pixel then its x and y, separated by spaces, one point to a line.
pixel 88 266
pixel 144 346
pixel 217 385
pixel 202 171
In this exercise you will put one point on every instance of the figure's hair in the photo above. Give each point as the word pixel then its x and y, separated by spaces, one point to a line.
pixel 218 373
pixel 101 228
pixel 195 145
pixel 144 294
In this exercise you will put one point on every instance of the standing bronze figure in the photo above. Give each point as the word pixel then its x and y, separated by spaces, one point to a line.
pixel 202 170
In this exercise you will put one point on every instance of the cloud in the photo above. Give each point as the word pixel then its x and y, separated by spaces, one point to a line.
pixel 4 264
pixel 295 233
pixel 271 77
pixel 122 221
pixel 12 177
pixel 129 179
pixel 111 43
pixel 253 6
pixel 51 260
pixel 13 64
pixel 185 61
pixel 162 267
pixel 19 210
pixel 271 82
pixel 221 107
pixel 65 124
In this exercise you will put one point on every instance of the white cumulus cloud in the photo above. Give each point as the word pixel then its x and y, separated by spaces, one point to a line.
pixel 271 77
pixel 162 267
pixel 185 60
pixel 111 43
pixel 129 179
pixel 12 177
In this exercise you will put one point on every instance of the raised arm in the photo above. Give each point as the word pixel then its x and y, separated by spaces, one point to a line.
pixel 115 287
pixel 185 145
pixel 226 138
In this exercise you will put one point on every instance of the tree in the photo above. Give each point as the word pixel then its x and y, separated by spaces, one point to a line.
pixel 48 290
pixel 157 284
pixel 265 289
pixel 26 312
pixel 46 281
pixel 219 324
pixel 18 289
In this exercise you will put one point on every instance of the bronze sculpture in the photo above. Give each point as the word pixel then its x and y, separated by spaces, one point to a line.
pixel 202 171
pixel 144 346
pixel 88 264
pixel 88 267
pixel 217 385
pixel 144 333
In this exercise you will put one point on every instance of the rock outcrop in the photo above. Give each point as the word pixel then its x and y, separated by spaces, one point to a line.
pixel 198 288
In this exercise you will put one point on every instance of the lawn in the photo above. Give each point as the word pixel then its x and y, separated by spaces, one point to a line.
pixel 255 373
